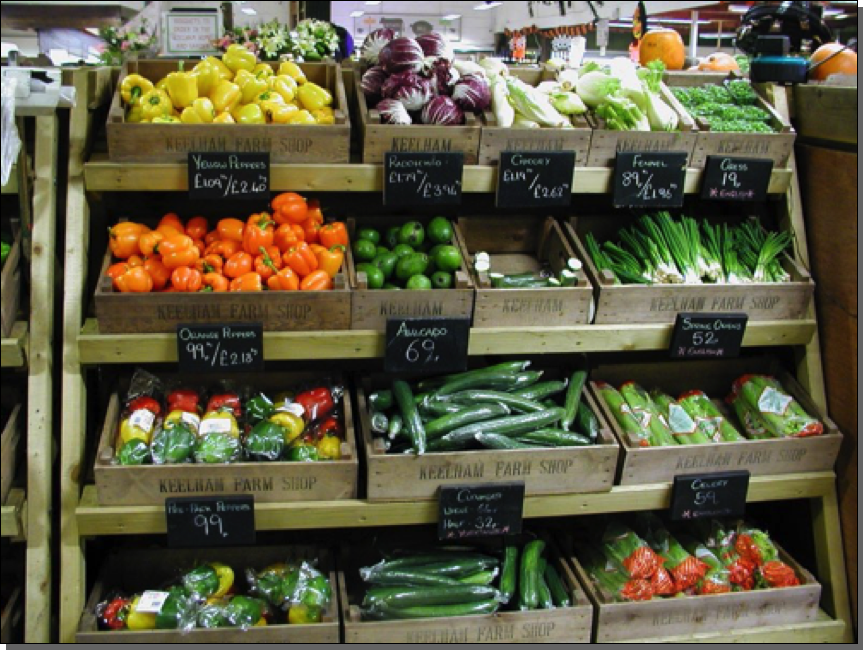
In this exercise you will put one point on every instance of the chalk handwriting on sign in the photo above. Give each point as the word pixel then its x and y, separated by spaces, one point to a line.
pixel 197 522
pixel 736 179
pixel 416 179
pixel 653 180
pixel 708 336
pixel 224 175
pixel 535 179
pixel 485 510
pixel 697 496
pixel 426 344
pixel 234 347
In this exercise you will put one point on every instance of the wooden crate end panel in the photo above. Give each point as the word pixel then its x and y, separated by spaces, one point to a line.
pixel 9 441
pixel 532 307
pixel 10 288
pixel 605 145
pixel 776 147
pixel 498 139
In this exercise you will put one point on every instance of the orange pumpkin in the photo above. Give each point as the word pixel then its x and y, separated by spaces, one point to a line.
pixel 664 45
pixel 843 63
pixel 719 62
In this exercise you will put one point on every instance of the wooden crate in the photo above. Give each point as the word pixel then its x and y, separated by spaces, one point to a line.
pixel 660 303
pixel 285 311
pixel 520 245
pixel 399 477
pixel 647 465
pixel 826 113
pixel 268 482
pixel 690 615
pixel 371 307
pixel 496 139
pixel 133 571
pixel 286 143
pixel 10 618
pixel 771 146
pixel 8 452
pixel 562 625
pixel 10 288
pixel 606 144
pixel 379 139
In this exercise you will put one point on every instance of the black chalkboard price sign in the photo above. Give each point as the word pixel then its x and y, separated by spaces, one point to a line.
pixel 649 180
pixel 426 345
pixel 224 175
pixel 708 336
pixel 697 496
pixel 224 348
pixel 736 179
pixel 199 522
pixel 535 179
pixel 416 179
pixel 488 510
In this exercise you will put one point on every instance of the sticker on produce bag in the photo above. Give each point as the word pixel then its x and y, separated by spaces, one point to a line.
pixel 192 420
pixel 774 402
pixel 679 421
pixel 215 425
pixel 143 419
pixel 151 602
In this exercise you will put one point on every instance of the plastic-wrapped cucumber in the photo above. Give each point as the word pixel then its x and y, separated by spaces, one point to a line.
pixel 443 425
pixel 511 400
pixel 542 390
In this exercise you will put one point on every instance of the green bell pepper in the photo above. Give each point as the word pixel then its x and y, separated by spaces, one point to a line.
pixel 174 445
pixel 266 441
pixel 218 447
pixel 243 611
pixel 177 611
pixel 303 452
pixel 202 581
pixel 134 452
pixel 258 408
pixel 5 249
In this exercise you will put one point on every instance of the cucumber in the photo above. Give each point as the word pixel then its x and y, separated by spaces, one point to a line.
pixel 425 596
pixel 418 561
pixel 545 599
pixel 453 568
pixel 508 426
pixel 586 422
pixel 558 592
pixel 498 441
pixel 555 438
pixel 514 367
pixel 381 400
pixel 528 589
pixel 509 574
pixel 440 445
pixel 406 576
pixel 513 401
pixel 485 577
pixel 443 425
pixel 541 391
pixel 573 398
pixel 395 426
pixel 437 409
pixel 412 422
pixel 517 281
pixel 528 378
pixel 495 379
pixel 441 611
pixel 379 423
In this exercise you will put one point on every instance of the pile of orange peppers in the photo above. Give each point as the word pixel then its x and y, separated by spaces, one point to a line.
pixel 287 249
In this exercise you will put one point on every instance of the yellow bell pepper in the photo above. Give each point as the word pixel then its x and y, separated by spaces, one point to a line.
pixel 166 119
pixel 192 421
pixel 239 57
pixel 130 429
pixel 226 578
pixel 300 614
pixel 162 84
pixel 262 622
pixel 269 96
pixel 225 96
pixel 155 103
pixel 224 71
pixel 201 111
pixel 322 117
pixel 277 112
pixel 292 424
pixel 329 448
pixel 207 75
pixel 313 97
pixel 219 421
pixel 250 114
pixel 250 85
pixel 301 117
pixel 263 71
pixel 293 71
pixel 136 620
pixel 224 118
pixel 135 113
pixel 284 85
pixel 134 87
pixel 182 88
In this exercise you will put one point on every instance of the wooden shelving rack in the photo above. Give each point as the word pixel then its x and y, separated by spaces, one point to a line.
pixel 83 345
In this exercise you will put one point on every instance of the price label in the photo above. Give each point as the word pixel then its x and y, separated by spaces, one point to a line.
pixel 526 180
pixel 197 522
pixel 224 175
pixel 415 179
pixel 736 179
pixel 229 347
pixel 649 180
pixel 696 496
pixel 480 510
pixel 708 336
pixel 427 345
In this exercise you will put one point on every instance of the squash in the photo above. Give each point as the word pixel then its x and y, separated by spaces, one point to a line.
pixel 843 63
pixel 719 62
pixel 664 45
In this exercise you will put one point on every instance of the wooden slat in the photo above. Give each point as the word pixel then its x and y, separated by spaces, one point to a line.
pixel 139 520
pixel 95 348
pixel 11 187
pixel 103 176
pixel 12 515
pixel 13 350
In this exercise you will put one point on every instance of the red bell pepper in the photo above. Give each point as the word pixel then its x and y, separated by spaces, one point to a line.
pixel 225 401
pixel 112 613
pixel 144 403
pixel 183 400
pixel 329 426
pixel 317 403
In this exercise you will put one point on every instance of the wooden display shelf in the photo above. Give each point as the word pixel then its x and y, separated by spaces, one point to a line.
pixel 13 516
pixel 94 519
pixel 101 175
pixel 13 350
pixel 95 348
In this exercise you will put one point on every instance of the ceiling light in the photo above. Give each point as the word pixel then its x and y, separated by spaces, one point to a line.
pixel 450 17
pixel 249 11
pixel 739 9
pixel 357 14
pixel 487 5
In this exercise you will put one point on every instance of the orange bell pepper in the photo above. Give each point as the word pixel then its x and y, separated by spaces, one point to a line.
pixel 115 271
pixel 123 239
pixel 334 234
pixel 169 230
pixel 135 260
pixel 212 236
pixel 199 244
pixel 158 271
pixel 149 242
pixel 289 207
pixel 215 282
pixel 211 263
pixel 301 259
pixel 330 260
pixel 259 233
pixel 312 228
pixel 224 248
pixel 187 279
pixel 316 281
pixel 186 257
pixel 247 282
pixel 268 263
pixel 197 228
pixel 135 280
pixel 314 212
pixel 173 220
pixel 284 280
pixel 238 264
pixel 231 229
pixel 287 235
pixel 175 244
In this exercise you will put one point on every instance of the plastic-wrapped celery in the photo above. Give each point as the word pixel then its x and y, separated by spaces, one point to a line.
pixel 708 418
pixel 682 426
pixel 754 426
pixel 632 428
pixel 782 414
pixel 685 569
pixel 716 579
pixel 648 415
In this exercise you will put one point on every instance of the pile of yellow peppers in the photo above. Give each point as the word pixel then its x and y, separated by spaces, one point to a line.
pixel 236 89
